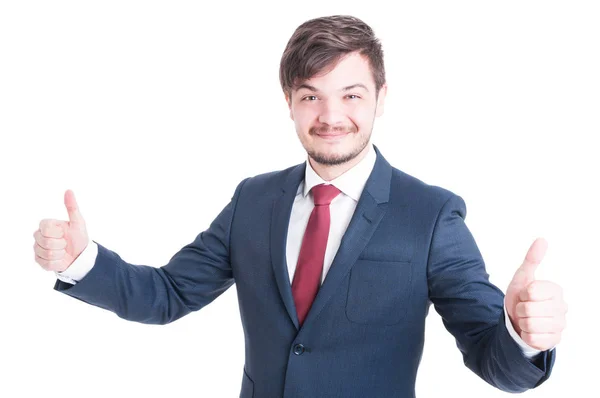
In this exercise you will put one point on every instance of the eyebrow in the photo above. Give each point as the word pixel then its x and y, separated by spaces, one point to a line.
pixel 347 88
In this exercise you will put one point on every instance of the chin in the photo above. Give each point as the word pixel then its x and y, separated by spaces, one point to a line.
pixel 333 157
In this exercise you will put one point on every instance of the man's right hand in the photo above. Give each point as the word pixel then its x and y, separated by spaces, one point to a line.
pixel 58 243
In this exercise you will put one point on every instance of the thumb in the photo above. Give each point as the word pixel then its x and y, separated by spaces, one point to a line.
pixel 72 208
pixel 534 257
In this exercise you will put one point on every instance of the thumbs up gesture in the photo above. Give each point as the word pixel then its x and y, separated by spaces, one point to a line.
pixel 58 243
pixel 536 308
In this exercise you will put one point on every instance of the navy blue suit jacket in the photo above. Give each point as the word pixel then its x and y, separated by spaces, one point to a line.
pixel 407 246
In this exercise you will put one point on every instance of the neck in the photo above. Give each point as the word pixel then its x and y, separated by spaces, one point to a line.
pixel 331 172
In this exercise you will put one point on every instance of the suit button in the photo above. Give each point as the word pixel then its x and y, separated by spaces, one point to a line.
pixel 298 349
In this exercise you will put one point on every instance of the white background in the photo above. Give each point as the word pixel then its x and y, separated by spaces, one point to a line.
pixel 152 112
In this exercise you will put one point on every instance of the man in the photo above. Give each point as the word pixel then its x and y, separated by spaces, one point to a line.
pixel 335 260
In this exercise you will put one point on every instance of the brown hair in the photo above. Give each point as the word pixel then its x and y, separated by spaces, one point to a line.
pixel 318 44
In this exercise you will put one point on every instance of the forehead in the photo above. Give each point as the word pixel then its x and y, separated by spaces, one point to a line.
pixel 351 70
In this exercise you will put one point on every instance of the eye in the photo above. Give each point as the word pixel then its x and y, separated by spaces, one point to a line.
pixel 352 95
pixel 309 96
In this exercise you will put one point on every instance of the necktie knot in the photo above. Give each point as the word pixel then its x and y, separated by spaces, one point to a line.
pixel 324 194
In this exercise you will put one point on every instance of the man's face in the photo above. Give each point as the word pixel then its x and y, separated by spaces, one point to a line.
pixel 334 113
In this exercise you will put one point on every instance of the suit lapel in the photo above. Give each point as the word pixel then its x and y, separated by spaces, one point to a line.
pixel 369 212
pixel 282 209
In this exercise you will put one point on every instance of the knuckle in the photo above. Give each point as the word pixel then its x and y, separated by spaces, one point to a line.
pixel 530 324
pixel 535 340
pixel 519 309
pixel 49 229
pixel 43 263
pixel 523 324
pixel 45 223
pixel 527 324
pixel 522 309
pixel 56 254
pixel 51 265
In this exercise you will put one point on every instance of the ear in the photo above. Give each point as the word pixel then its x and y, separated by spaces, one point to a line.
pixel 381 100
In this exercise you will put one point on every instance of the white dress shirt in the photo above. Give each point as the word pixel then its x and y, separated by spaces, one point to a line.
pixel 351 185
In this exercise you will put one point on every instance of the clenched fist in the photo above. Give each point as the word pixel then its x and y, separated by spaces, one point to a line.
pixel 58 243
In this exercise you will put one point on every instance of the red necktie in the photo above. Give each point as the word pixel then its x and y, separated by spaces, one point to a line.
pixel 307 277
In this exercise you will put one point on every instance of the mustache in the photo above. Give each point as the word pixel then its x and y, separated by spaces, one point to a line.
pixel 329 130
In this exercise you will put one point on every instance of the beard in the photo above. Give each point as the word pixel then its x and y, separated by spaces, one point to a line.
pixel 337 159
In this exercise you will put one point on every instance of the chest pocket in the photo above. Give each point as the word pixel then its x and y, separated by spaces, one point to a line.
pixel 379 292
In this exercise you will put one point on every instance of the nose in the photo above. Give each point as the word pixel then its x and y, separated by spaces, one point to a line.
pixel 331 113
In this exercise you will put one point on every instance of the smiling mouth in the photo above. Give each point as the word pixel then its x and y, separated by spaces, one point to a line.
pixel 332 136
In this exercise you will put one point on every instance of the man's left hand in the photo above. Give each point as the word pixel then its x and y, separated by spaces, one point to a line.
pixel 536 308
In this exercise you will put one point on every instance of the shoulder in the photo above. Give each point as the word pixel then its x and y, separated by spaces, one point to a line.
pixel 419 194
pixel 271 183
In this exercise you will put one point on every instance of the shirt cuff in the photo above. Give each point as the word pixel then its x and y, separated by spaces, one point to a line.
pixel 82 265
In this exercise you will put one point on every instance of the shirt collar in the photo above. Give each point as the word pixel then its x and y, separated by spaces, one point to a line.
pixel 351 183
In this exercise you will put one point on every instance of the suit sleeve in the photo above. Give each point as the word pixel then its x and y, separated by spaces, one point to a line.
pixel 195 276
pixel 472 308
